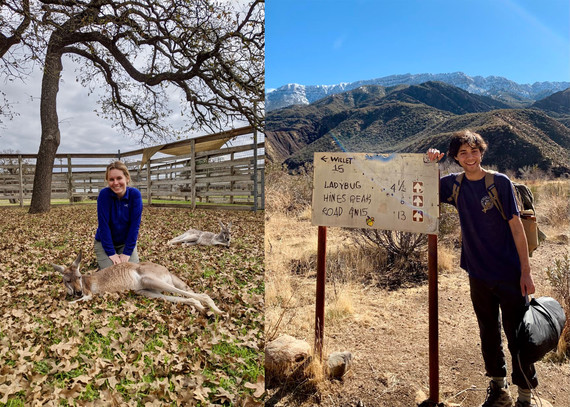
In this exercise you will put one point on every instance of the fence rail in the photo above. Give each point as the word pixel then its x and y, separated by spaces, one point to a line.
pixel 227 177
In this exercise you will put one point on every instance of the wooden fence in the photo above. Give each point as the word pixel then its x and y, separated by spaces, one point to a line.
pixel 230 177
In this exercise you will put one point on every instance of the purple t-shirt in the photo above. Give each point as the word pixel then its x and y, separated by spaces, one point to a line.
pixel 488 250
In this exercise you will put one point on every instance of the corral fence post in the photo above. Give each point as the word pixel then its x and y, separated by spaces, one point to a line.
pixel 69 179
pixel 255 197
pixel 20 170
pixel 148 184
pixel 232 173
pixel 170 178
pixel 193 172
pixel 262 188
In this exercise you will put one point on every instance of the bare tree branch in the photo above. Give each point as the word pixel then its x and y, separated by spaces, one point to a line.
pixel 8 40
pixel 210 54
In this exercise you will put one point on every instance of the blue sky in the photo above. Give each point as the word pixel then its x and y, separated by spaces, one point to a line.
pixel 325 42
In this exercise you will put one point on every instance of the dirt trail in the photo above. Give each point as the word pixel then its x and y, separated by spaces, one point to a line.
pixel 388 336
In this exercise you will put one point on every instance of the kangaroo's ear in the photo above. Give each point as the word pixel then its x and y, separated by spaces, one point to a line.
pixel 229 224
pixel 57 268
pixel 75 264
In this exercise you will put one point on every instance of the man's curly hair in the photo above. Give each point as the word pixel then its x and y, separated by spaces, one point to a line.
pixel 465 137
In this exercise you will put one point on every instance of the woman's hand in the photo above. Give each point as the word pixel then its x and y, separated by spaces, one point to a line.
pixel 119 258
pixel 116 259
pixel 434 154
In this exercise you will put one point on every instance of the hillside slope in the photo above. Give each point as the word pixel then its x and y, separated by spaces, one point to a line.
pixel 410 118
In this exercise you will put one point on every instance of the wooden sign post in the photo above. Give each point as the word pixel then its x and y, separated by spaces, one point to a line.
pixel 378 191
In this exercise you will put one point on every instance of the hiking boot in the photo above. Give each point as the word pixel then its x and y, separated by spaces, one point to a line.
pixel 525 404
pixel 497 396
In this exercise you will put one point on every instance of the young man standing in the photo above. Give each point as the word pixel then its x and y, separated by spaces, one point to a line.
pixel 494 253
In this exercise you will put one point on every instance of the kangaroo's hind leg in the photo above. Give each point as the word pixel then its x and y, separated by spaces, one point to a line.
pixel 179 283
pixel 153 294
pixel 153 284
pixel 185 238
pixel 203 298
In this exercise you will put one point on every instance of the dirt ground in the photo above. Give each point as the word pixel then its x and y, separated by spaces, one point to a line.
pixel 387 333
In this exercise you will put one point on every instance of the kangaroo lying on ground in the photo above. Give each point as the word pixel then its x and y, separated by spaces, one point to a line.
pixel 145 278
pixel 194 236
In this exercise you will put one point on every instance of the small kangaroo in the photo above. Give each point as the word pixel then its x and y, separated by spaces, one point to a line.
pixel 194 237
pixel 145 278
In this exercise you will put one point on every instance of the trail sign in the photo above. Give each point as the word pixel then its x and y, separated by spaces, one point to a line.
pixel 379 191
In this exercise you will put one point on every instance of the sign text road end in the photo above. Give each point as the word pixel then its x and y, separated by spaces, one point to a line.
pixel 379 191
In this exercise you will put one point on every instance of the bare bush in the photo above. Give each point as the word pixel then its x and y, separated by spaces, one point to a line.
pixel 558 212
pixel 449 228
pixel 559 277
pixel 403 253
pixel 352 263
pixel 289 193
pixel 532 173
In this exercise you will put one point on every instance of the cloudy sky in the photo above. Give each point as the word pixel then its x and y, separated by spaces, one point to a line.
pixel 81 130
pixel 326 42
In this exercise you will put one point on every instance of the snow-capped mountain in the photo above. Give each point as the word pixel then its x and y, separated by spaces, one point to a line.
pixel 493 86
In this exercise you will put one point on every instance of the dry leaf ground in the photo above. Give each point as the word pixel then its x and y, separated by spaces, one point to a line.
pixel 123 349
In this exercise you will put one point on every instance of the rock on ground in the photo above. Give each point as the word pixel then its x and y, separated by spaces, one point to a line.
pixel 284 355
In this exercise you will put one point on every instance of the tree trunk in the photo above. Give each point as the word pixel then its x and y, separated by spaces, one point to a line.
pixel 41 193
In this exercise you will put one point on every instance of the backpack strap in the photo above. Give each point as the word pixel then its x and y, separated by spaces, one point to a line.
pixel 455 189
pixel 489 185
pixel 492 191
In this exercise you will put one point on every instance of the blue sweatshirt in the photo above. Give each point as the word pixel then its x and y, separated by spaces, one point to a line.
pixel 119 220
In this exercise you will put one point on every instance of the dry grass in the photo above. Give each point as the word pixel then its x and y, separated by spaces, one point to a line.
pixel 349 263
pixel 559 277
pixel 341 306
pixel 291 247
pixel 553 204
pixel 446 258
pixel 315 371
pixel 287 193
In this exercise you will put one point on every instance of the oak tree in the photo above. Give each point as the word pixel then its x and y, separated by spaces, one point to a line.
pixel 143 54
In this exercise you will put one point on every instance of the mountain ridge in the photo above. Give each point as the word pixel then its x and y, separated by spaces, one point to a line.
pixel 410 118
pixel 500 88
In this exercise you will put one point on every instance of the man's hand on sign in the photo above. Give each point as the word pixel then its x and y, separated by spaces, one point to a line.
pixel 434 154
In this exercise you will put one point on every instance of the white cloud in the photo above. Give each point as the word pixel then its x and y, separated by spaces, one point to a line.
pixel 81 130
